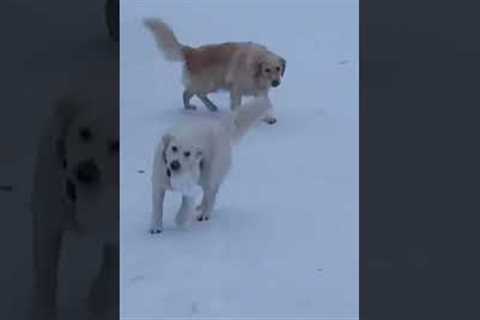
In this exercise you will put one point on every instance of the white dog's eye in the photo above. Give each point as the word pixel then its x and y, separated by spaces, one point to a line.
pixel 277 68
pixel 187 154
pixel 174 149
pixel 267 70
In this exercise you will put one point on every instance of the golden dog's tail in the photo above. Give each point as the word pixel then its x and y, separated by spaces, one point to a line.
pixel 246 115
pixel 166 39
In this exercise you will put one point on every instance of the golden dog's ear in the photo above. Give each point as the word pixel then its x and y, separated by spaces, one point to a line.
pixel 166 139
pixel 258 68
pixel 284 65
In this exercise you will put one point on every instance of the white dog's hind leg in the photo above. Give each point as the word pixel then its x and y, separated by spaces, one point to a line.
pixel 186 210
pixel 157 211
pixel 207 102
pixel 187 95
pixel 208 202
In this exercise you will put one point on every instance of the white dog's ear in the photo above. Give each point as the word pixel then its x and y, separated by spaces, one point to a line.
pixel 198 154
pixel 284 65
pixel 166 139
pixel 199 158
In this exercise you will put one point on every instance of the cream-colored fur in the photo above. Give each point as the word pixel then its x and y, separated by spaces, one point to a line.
pixel 202 150
pixel 241 68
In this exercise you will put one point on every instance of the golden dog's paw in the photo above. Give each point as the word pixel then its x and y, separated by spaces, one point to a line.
pixel 270 120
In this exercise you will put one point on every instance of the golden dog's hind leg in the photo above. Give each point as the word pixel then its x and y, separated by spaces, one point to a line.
pixel 207 102
pixel 187 95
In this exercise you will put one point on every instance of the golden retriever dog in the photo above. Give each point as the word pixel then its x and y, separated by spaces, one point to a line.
pixel 241 68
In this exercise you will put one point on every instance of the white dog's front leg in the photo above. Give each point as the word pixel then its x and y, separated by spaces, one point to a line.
pixel 186 210
pixel 158 195
pixel 208 203
pixel 47 245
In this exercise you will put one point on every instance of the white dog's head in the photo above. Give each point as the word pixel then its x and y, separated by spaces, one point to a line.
pixel 183 162
pixel 270 68
pixel 88 152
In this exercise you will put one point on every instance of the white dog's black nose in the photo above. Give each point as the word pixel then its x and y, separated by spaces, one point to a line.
pixel 175 165
pixel 87 172
pixel 275 83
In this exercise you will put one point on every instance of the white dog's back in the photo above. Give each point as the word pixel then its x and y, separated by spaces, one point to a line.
pixel 234 125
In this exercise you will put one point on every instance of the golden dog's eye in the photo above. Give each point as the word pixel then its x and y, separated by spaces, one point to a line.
pixel 85 134
pixel 267 70
pixel 174 149
pixel 187 154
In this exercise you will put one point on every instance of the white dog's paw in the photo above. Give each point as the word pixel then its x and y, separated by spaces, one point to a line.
pixel 156 229
pixel 270 120
pixel 203 217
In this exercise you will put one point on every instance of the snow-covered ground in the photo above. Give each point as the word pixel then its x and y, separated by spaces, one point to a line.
pixel 283 240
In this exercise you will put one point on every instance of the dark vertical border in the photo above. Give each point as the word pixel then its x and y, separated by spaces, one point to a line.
pixel 419 159
pixel 47 48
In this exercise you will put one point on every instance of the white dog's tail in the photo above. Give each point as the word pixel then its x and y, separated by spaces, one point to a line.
pixel 165 39
pixel 246 115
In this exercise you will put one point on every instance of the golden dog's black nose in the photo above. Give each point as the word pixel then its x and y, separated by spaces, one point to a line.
pixel 87 172
pixel 175 165
pixel 275 83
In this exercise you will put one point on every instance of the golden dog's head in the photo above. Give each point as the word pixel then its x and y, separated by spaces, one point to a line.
pixel 271 69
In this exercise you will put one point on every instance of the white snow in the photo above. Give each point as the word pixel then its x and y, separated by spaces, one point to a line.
pixel 283 239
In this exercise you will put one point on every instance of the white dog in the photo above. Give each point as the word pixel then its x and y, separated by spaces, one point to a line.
pixel 242 68
pixel 198 155
pixel 76 188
